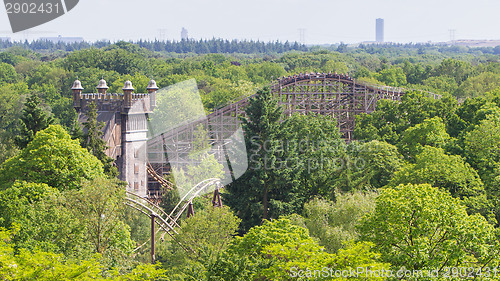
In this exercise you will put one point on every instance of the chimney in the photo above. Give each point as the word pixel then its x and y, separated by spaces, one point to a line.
pixel 77 94
pixel 152 88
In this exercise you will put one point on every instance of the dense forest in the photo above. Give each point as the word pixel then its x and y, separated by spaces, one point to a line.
pixel 183 46
pixel 417 192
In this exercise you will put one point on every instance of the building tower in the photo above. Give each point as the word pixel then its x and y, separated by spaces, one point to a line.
pixel 379 31
pixel 184 34
pixel 125 127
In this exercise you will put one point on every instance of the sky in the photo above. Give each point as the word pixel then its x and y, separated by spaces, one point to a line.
pixel 324 21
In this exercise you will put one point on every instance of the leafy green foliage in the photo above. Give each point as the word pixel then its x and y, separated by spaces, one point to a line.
pixel 424 227
pixel 52 158
pixel 431 132
pixel 99 205
pixel 392 76
pixel 482 147
pixel 16 199
pixel 311 144
pixel 201 240
pixel 458 70
pixel 278 250
pixel 33 120
pixel 379 162
pixel 478 85
pixel 41 265
pixel 449 172
pixel 334 223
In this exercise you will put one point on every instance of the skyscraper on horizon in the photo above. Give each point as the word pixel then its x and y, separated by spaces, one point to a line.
pixel 379 30
pixel 184 34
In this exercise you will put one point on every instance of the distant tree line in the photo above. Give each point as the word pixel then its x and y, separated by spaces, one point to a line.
pixel 202 46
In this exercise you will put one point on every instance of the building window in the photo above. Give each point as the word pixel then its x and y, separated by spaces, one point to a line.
pixel 136 169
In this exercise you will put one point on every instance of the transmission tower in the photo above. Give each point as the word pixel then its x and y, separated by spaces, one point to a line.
pixel 452 35
pixel 162 32
pixel 302 35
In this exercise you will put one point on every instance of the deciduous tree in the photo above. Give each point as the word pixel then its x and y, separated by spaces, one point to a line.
pixel 52 158
pixel 424 227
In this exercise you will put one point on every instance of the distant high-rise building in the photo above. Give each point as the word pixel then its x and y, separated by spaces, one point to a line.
pixel 379 30
pixel 184 34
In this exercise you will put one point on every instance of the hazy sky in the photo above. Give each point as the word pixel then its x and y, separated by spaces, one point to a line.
pixel 324 21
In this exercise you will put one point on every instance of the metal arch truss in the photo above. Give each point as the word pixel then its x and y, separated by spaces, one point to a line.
pixel 165 221
pixel 150 209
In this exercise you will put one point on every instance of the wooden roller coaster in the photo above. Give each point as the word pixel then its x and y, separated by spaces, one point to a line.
pixel 335 95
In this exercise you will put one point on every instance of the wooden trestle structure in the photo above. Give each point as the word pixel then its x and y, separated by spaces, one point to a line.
pixel 335 95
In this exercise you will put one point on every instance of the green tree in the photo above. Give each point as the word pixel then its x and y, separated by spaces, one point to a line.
pixel 458 70
pixel 46 223
pixel 15 199
pixel 351 171
pixel 267 189
pixel 392 118
pixel 99 205
pixel 424 227
pixel 92 140
pixel 312 143
pixel 204 237
pixel 279 250
pixel 431 132
pixel 52 158
pixel 482 146
pixel 392 76
pixel 441 84
pixel 334 223
pixel 10 95
pixel 33 120
pixel 209 232
pixel 379 161
pixel 45 266
pixel 8 74
pixel 478 85
pixel 449 172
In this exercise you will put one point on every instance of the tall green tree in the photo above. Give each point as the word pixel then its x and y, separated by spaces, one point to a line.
pixel 267 189
pixel 10 95
pixel 314 142
pixel 33 120
pixel 92 140
pixel 204 237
